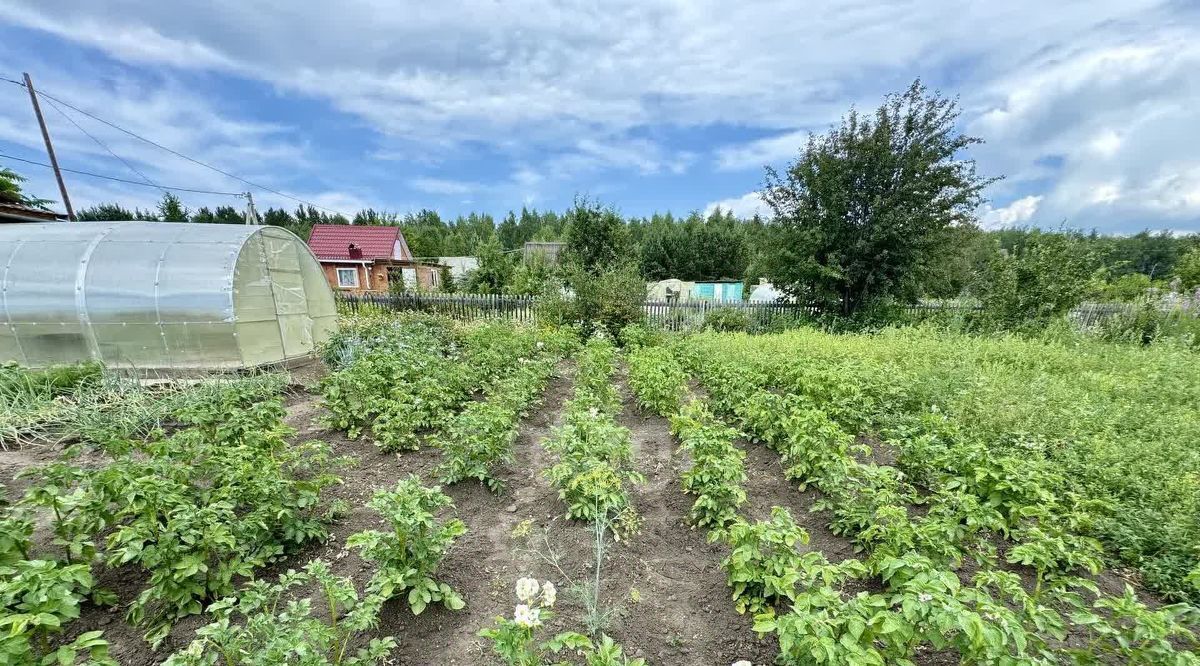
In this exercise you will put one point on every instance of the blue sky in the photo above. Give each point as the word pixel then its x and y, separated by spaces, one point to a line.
pixel 1090 109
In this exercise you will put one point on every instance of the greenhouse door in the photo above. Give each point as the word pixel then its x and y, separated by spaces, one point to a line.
pixel 291 303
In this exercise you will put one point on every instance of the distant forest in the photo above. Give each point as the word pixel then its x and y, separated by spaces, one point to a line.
pixel 714 246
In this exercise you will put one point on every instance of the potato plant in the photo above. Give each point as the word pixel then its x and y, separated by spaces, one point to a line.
pixel 214 501
pixel 37 599
pixel 594 453
pixel 657 379
pixel 409 554
pixel 265 624
pixel 409 381
pixel 479 438
pixel 718 469
pixel 973 494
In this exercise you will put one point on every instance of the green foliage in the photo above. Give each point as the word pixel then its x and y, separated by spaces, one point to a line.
pixel 217 499
pixel 607 299
pixel 533 276
pixel 860 215
pixel 764 565
pixel 11 192
pixel 597 238
pixel 718 469
pixel 266 625
pixel 726 320
pixel 171 209
pixel 594 453
pixel 657 379
pixel 57 380
pixel 494 272
pixel 1188 269
pixel 1124 628
pixel 37 598
pixel 408 556
pixel 1028 289
pixel 696 248
pixel 1008 437
pixel 480 437
pixel 402 378
pixel 515 641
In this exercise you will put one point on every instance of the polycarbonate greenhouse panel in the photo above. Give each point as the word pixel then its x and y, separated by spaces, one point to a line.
pixel 158 295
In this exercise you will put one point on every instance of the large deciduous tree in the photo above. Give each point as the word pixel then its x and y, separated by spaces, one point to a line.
pixel 860 216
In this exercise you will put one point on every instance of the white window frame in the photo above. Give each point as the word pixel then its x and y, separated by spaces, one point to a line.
pixel 341 283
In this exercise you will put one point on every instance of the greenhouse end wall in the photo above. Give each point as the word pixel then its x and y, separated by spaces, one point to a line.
pixel 159 295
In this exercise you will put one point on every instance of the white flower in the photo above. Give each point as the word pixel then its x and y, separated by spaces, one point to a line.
pixel 925 598
pixel 741 662
pixel 523 616
pixel 593 412
pixel 549 594
pixel 540 344
pixel 527 589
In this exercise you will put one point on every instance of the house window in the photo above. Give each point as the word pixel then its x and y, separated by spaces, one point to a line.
pixel 347 278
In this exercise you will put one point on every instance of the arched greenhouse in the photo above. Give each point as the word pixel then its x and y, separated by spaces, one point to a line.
pixel 159 295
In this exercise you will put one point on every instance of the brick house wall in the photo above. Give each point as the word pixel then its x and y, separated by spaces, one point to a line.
pixel 374 277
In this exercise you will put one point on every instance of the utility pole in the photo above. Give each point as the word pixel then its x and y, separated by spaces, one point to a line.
pixel 37 111
pixel 251 212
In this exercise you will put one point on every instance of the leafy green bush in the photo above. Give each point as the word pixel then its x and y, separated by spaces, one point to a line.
pixel 265 625
pixel 727 320
pixel 718 469
pixel 480 437
pixel 408 556
pixel 657 379
pixel 1036 284
pixel 37 598
pixel 608 300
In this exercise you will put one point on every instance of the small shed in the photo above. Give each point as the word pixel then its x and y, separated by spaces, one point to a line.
pixel 719 290
pixel 159 295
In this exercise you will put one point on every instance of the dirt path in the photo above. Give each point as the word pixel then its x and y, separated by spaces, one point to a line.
pixel 685 615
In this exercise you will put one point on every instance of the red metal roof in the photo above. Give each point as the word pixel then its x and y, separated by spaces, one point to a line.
pixel 332 241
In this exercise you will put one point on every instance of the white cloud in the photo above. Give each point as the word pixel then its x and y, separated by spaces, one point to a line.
pixel 442 185
pixel 756 154
pixel 1018 212
pixel 1070 96
pixel 1106 144
pixel 746 206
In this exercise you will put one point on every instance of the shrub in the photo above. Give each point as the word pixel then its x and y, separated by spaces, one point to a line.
pixel 608 299
pixel 409 555
pixel 265 625
pixel 727 319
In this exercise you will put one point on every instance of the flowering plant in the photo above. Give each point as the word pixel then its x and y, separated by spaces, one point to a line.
pixel 514 640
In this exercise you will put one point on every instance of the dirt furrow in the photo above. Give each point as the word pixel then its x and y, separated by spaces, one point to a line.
pixel 685 615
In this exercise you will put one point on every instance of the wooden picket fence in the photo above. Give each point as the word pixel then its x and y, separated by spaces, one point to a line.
pixel 456 306
pixel 689 316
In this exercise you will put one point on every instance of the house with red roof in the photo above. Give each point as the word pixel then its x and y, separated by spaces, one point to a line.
pixel 361 258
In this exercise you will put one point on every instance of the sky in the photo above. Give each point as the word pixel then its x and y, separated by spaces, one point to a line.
pixel 1089 110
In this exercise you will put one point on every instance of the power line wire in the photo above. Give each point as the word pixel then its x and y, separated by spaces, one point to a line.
pixel 42 93
pixel 102 144
pixel 123 180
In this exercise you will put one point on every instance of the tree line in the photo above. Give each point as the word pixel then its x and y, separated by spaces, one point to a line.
pixel 877 211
